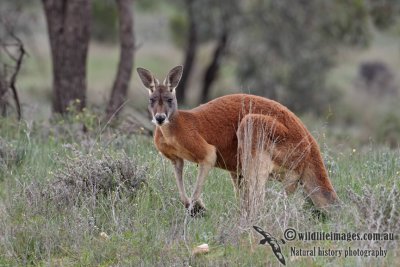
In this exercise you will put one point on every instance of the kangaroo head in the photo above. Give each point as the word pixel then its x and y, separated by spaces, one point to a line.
pixel 162 98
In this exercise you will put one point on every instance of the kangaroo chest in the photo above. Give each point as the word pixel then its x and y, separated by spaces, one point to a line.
pixel 171 147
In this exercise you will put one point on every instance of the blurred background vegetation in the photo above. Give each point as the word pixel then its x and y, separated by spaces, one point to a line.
pixel 334 63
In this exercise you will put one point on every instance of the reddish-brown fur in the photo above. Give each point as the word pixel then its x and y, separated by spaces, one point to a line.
pixel 211 134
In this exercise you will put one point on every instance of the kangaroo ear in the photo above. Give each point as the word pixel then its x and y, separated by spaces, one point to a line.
pixel 173 78
pixel 147 78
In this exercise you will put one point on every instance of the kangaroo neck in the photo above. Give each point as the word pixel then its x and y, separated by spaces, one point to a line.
pixel 174 124
pixel 174 116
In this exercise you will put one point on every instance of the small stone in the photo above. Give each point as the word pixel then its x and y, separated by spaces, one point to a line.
pixel 104 236
pixel 202 249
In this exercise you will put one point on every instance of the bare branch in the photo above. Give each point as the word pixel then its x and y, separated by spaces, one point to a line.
pixel 15 74
pixel 16 57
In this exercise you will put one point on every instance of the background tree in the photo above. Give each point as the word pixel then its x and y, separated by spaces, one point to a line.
pixel 384 13
pixel 228 15
pixel 206 21
pixel 104 27
pixel 212 70
pixel 68 23
pixel 9 71
pixel 285 53
pixel 125 65
pixel 190 50
pixel 12 53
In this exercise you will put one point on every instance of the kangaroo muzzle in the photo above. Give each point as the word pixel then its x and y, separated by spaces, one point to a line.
pixel 160 118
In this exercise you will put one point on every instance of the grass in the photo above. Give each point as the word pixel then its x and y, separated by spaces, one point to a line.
pixel 150 227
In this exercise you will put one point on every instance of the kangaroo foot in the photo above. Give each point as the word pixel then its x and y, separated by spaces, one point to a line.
pixel 196 209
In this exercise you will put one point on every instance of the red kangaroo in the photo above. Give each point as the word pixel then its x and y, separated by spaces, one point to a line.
pixel 211 135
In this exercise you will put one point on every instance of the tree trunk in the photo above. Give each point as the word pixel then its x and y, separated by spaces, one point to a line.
pixel 3 92
pixel 68 23
pixel 213 69
pixel 126 36
pixel 191 49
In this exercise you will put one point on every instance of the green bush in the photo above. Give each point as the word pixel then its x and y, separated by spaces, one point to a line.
pixel 178 26
pixel 147 4
pixel 104 26
pixel 388 130
pixel 287 54
pixel 83 177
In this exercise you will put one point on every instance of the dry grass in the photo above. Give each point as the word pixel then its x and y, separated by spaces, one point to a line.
pixel 84 177
pixel 377 210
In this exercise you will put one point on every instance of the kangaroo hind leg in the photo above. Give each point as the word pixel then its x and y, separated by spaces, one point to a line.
pixel 257 137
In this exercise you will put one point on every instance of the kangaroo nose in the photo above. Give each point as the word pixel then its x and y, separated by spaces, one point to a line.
pixel 160 118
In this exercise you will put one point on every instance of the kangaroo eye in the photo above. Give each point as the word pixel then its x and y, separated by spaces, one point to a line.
pixel 169 100
pixel 152 100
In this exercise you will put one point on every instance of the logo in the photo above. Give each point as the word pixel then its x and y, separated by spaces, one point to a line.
pixel 273 242
pixel 291 234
